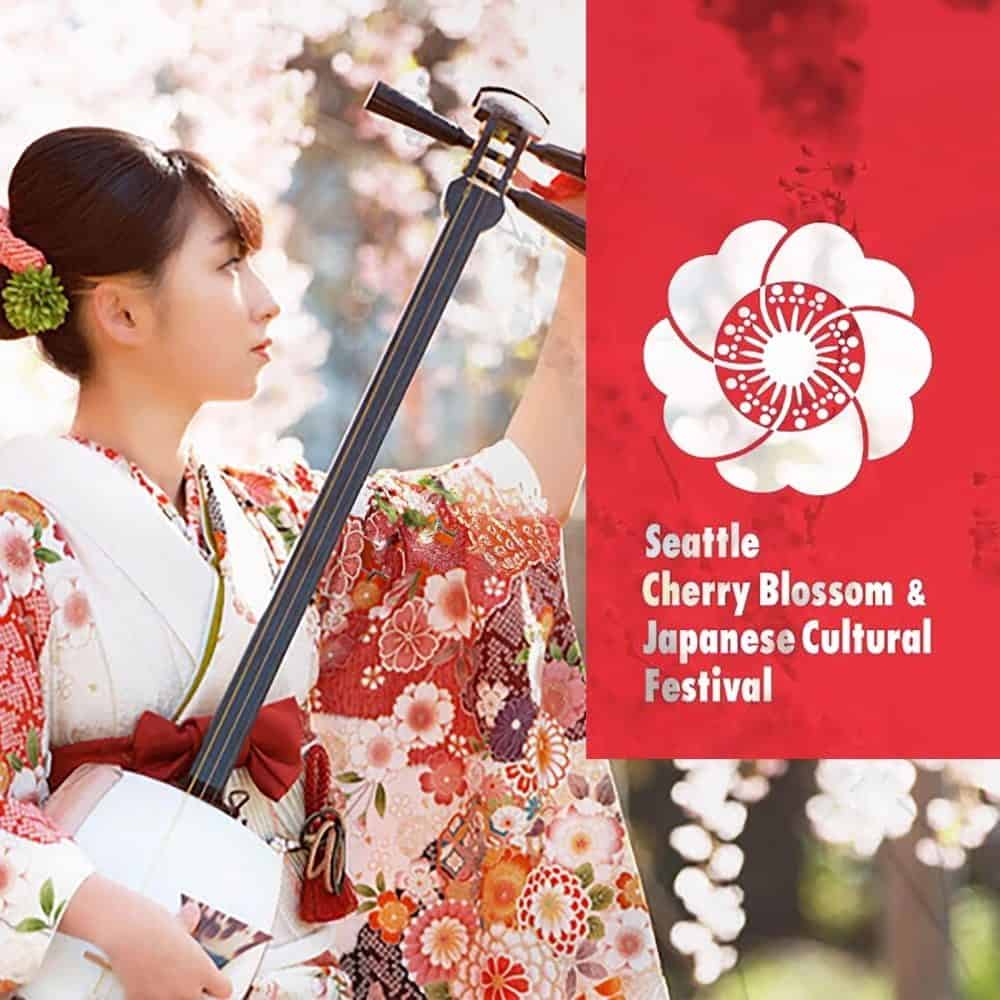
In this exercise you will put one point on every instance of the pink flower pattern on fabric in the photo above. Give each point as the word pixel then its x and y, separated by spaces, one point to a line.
pixel 477 826
pixel 408 641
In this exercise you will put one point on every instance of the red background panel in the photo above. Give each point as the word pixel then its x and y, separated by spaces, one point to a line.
pixel 682 150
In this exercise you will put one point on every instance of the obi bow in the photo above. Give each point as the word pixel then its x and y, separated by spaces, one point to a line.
pixel 165 750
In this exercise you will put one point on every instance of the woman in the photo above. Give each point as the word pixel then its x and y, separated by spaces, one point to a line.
pixel 437 659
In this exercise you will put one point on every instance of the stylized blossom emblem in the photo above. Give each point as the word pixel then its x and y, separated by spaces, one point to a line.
pixel 788 357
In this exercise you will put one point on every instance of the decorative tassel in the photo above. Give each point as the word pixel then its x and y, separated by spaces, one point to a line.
pixel 327 892
pixel 562 187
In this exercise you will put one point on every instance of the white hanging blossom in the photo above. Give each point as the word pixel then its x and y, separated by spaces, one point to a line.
pixel 715 795
pixel 859 805
pixel 961 821
pixel 861 802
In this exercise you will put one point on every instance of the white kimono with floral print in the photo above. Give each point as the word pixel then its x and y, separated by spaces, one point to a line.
pixel 444 678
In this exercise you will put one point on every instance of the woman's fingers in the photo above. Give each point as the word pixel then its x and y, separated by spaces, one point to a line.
pixel 219 986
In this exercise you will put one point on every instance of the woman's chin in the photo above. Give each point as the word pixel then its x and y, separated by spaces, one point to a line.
pixel 251 386
pixel 236 394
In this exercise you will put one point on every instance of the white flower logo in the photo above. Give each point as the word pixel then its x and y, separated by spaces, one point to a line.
pixel 788 357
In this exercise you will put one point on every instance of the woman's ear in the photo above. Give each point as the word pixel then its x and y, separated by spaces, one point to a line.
pixel 119 312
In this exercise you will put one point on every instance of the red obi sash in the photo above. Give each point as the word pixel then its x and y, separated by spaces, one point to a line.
pixel 272 754
pixel 165 750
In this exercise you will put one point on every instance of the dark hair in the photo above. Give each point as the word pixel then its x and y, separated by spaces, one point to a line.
pixel 99 202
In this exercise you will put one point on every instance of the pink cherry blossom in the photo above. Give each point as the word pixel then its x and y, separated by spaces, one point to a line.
pixel 17 554
pixel 585 832
pixel 451 611
pixel 628 934
pixel 407 641
pixel 376 751
pixel 444 778
pixel 425 712
pixel 564 694
pixel 72 618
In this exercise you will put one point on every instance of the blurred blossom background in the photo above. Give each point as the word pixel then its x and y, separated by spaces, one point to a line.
pixel 767 879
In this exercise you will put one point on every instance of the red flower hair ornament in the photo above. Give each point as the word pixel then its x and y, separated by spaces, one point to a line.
pixel 33 298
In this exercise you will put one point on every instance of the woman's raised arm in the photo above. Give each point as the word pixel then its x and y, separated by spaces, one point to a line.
pixel 549 424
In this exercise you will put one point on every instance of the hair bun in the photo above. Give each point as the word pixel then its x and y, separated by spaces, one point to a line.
pixel 91 200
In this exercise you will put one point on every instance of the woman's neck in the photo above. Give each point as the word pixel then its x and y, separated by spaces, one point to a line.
pixel 146 432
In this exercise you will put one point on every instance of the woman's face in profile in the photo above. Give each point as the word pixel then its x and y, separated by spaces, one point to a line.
pixel 213 308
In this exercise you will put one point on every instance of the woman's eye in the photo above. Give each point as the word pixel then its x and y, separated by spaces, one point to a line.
pixel 233 260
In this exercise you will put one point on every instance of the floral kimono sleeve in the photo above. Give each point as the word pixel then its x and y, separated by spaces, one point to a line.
pixel 40 868
pixel 452 695
pixel 582 897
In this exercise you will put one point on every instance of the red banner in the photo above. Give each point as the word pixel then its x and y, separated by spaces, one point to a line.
pixel 793 473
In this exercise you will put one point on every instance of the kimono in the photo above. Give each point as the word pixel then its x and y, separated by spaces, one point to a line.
pixel 440 669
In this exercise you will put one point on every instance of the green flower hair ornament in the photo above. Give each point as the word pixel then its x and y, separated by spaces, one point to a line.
pixel 33 300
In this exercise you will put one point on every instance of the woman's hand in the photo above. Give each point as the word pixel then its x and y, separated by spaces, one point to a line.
pixel 156 958
pixel 549 422
pixel 151 950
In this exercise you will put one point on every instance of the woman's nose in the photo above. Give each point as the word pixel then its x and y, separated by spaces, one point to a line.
pixel 267 307
pixel 270 310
